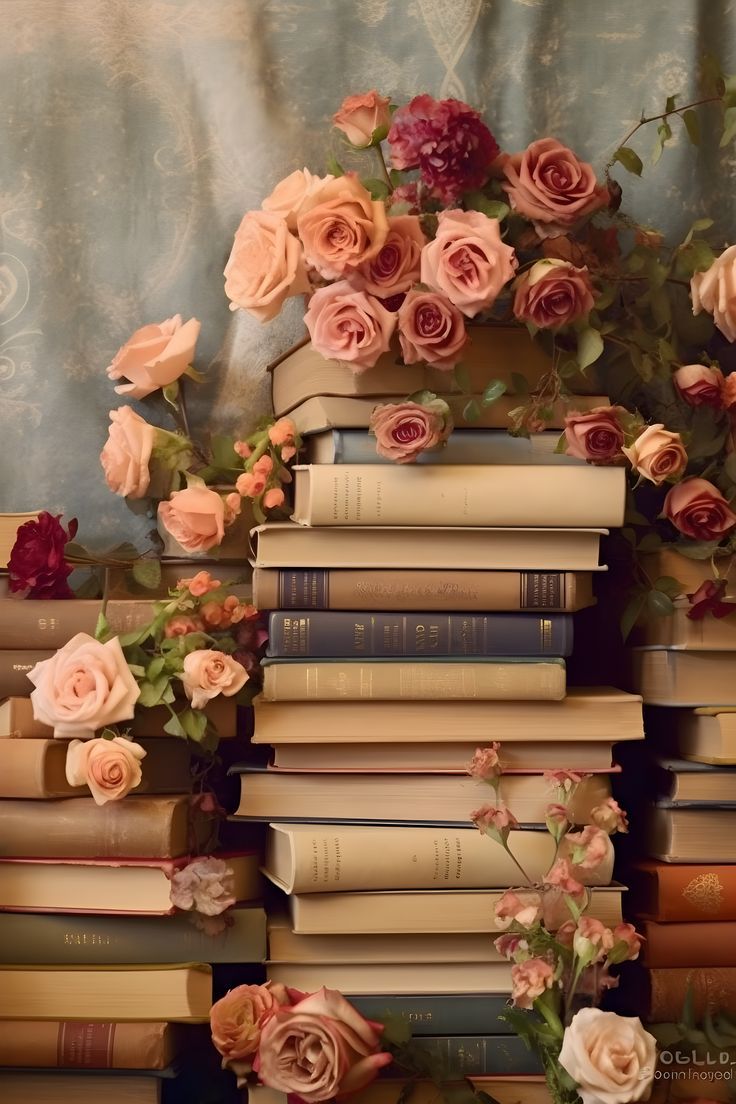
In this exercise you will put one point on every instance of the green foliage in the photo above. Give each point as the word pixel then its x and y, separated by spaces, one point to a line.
pixel 519 383
pixel 630 160
pixel 692 126
pixel 472 411
pixel 479 201
pixel 493 390
pixel 171 394
pixel 659 603
pixel 334 168
pixel 462 379
pixel 590 346
pixel 632 612
pixel 379 189
pixel 147 573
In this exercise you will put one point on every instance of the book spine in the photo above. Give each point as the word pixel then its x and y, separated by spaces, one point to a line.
pixel 14 667
pixel 79 1045
pixel 710 991
pixel 469 1014
pixel 478 1055
pixel 687 945
pixel 692 893
pixel 418 634
pixel 354 446
pixel 50 624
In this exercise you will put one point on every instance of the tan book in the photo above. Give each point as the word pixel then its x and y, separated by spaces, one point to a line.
pixel 503 1090
pixel 390 680
pixel 17 720
pixel 463 495
pixel 179 992
pixel 284 544
pixel 706 735
pixel 75 1088
pixel 690 573
pixel 581 757
pixel 449 798
pixel 70 1044
pixel 427 910
pixel 9 525
pixel 690 835
pixel 45 623
pixel 585 713
pixel 342 589
pixel 394 977
pixel 684 678
pixel 119 585
pixel 681 633
pixel 310 858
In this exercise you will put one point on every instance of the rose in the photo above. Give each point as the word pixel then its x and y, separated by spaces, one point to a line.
pixel 154 356
pixel 289 194
pixel 182 625
pixel 467 261
pixel 596 436
pixel 512 908
pixel 205 885
pixel 236 1018
pixel 611 1058
pixel 553 293
pixel 265 266
pixel 396 266
pixel 714 291
pixel 698 510
pixel 728 392
pixel 550 185
pixel 360 116
pixel 111 768
pixel 195 517
pixel 657 454
pixel 529 980
pixel 349 325
pixel 699 385
pixel 319 1048
pixel 404 430
pixel 431 329
pixel 208 673
pixel 127 453
pixel 708 598
pixel 84 686
pixel 341 227
pixel 36 565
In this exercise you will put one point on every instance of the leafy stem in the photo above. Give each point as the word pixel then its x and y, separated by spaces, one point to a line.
pixel 383 167
pixel 645 119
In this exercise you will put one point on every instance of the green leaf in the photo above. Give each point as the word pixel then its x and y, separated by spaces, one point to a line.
pixel 379 189
pixel 561 446
pixel 493 208
pixel 659 301
pixel 729 126
pixel 590 346
pixel 630 160
pixel 155 667
pixel 223 453
pixel 660 604
pixel 670 103
pixel 696 550
pixel 152 692
pixel 379 134
pixel 650 542
pixel 192 374
pixel 664 133
pixel 147 573
pixel 462 379
pixel 102 628
pixel 631 613
pixel 519 383
pixel 396 177
pixel 493 390
pixel 472 411
pixel 173 727
pixel 395 1030
pixel 171 394
pixel 692 126
pixel 334 167
pixel 194 723
pixel 669 585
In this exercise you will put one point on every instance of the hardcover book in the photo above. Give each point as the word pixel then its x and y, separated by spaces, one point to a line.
pixel 50 623
pixel 516 1090
pixel 679 892
pixel 581 757
pixel 78 1045
pixel 17 721
pixel 690 835
pixel 464 446
pixel 413 977
pixel 684 678
pixel 704 735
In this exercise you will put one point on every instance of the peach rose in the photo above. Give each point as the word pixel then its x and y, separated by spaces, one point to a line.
pixel 405 430
pixel 289 194
pixel 265 267
pixel 86 685
pixel 195 517
pixel 341 227
pixel 657 454
pixel 553 293
pixel 431 329
pixel 596 436
pixel 319 1048
pixel 699 510
pixel 111 768
pixel 699 385
pixel 467 261
pixel 127 453
pixel 550 185
pixel 361 115
pixel 714 291
pixel 611 1058
pixel 208 673
pixel 154 356
pixel 235 1019
pixel 529 980
pixel 396 266
pixel 349 325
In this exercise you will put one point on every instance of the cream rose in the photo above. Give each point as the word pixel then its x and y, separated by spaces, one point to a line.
pixel 127 453
pixel 289 194
pixel 235 1019
pixel 349 325
pixel 431 329
pixel 341 227
pixel 208 673
pixel 549 184
pixel 155 356
pixel 111 768
pixel 361 115
pixel 396 266
pixel 195 517
pixel 84 686
pixel 467 261
pixel 265 267
pixel 657 454
pixel 611 1058
pixel 714 291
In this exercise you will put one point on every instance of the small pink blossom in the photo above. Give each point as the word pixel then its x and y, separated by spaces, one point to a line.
pixel 626 943
pixel 513 908
pixel 282 432
pixel 529 980
pixel 510 943
pixel 590 847
pixel 200 584
pixel 495 821
pixel 243 449
pixel 609 816
pixel 592 940
pixel 273 498
pixel 485 764
pixel 181 625
pixel 263 465
pixel 205 885
pixel 250 484
pixel 560 876
pixel 699 385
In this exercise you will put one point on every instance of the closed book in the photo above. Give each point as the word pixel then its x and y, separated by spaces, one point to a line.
pixel 343 589
pixel 464 495
pixel 328 633
pixel 9 525
pixel 413 680
pixel 478 1055
pixel 690 835
pixel 690 573
pixel 50 623
pixel 585 713
pixel 501 1090
pixel 171 993
pixel 74 1044
pixel 665 677
pixel 464 446
pixel 17 721
pixel 29 1087
pixel 422 910
pixel 581 757
pixel 307 858
pixel 661 994
pixel 679 892
pixel 693 944
pixel 400 798
pixel 435 548
pixel 15 665
pixel 705 735
pixel 440 1014
pixel 682 633
pixel 394 977
pixel 129 886
pixel 98 940
pixel 685 783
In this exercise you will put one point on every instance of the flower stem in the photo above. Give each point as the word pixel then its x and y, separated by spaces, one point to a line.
pixel 383 167
pixel 653 119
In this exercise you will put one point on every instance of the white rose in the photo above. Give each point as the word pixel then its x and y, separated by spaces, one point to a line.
pixel 610 1057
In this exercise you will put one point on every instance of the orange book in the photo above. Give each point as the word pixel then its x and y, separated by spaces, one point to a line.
pixel 682 891
pixel 688 945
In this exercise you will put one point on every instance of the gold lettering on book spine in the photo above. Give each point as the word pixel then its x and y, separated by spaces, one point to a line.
pixel 705 893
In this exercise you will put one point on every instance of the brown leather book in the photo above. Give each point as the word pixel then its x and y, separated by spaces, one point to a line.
pixel 687 945
pixel 711 989
pixel 79 1045
pixel 41 623
pixel 682 892
pixel 18 723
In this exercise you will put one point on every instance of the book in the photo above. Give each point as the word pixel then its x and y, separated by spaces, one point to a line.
pixel 660 994
pixel 478 1055
pixel 582 757
pixel 36 768
pixel 686 783
pixel 690 835
pixel 176 992
pixel 399 798
pixel 412 680
pixel 9 525
pixel 307 858
pixel 17 720
pixel 435 548
pixel 683 678
pixel 682 633
pixel 585 713
pixel 126 886
pixel 464 446
pixel 75 827
pixel 29 1087
pixel 14 667
pixel 439 1014
pixel 120 585
pixel 690 573
pixel 344 589
pixel 49 623
pixel 422 910
pixel 693 944
pixel 704 735
pixel 70 1044
pixel 328 633
pixel 464 495
pixel 95 940
pixel 394 977
pixel 676 892
pixel 516 1090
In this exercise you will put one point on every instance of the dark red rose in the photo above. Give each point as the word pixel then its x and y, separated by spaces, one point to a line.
pixel 37 566
pixel 708 598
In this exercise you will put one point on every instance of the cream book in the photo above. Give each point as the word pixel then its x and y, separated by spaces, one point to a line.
pixel 367 494
pixel 502 1090
pixel 581 757
pixel 706 735
pixel 395 978
pixel 682 633
pixel 665 677
pixel 690 835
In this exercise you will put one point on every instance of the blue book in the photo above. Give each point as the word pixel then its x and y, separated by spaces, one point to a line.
pixel 465 446
pixel 442 1014
pixel 452 1057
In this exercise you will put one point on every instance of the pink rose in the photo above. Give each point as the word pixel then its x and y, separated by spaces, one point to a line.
pixel 714 291
pixel 699 385
pixel 530 980
pixel 590 847
pixel 235 1019
pixel 86 685
pixel 550 185
pixel 514 908
pixel 341 227
pixel 195 517
pixel 467 261
pixel 205 885
pixel 349 325
pixel 485 764
pixel 560 876
pixel 111 768
pixel 404 430
pixel 596 436
pixel 657 454
pixel 396 266
pixel 265 267
pixel 288 196
pixel 553 293
pixel 154 356
pixel 431 329
pixel 208 673
pixel 319 1048
pixel 127 452
pixel 361 115
pixel 609 816
pixel 592 940
pixel 699 510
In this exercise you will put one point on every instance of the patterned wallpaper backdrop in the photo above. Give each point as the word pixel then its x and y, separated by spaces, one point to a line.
pixel 135 133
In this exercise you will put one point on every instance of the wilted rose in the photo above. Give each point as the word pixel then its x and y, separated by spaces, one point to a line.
pixel 36 565
pixel 529 980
